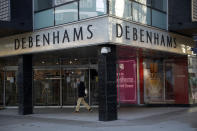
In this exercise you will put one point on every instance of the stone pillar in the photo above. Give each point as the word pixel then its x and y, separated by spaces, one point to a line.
pixel 107 83
pixel 24 83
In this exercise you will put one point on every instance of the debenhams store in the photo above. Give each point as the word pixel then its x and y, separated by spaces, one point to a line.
pixel 121 63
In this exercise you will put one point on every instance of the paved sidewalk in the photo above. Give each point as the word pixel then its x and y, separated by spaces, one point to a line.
pixel 136 118
pixel 68 113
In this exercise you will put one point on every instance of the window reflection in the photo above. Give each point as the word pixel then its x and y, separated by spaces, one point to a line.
pixel 66 13
pixel 59 2
pixel 42 4
pixel 121 8
pixel 90 8
pixel 146 2
pixel 142 11
pixel 44 19
pixel 159 4
pixel 141 14
pixel 159 19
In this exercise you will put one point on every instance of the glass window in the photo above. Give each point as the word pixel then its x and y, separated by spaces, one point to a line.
pixel 46 87
pixel 44 19
pixel 1 86
pixel 91 8
pixel 159 19
pixel 59 2
pixel 159 4
pixel 193 78
pixel 153 80
pixel 141 13
pixel 66 13
pixel 42 4
pixel 69 85
pixel 146 2
pixel 11 90
pixel 121 8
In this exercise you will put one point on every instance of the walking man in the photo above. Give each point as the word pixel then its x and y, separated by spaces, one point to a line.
pixel 81 95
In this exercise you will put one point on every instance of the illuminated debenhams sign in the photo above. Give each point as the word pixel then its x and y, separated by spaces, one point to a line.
pixel 54 37
pixel 132 34
pixel 128 33
pixel 94 32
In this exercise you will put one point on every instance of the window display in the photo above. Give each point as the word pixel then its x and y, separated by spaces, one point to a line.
pixel 193 78
pixel 153 80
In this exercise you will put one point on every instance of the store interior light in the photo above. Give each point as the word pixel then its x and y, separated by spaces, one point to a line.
pixel 105 50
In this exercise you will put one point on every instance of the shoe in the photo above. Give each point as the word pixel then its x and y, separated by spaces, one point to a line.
pixel 90 110
pixel 76 112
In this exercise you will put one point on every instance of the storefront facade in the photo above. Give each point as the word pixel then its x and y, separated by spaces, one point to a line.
pixel 122 62
pixel 148 54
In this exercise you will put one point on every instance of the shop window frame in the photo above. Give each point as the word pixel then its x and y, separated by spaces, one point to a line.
pixel 66 3
pixel 148 6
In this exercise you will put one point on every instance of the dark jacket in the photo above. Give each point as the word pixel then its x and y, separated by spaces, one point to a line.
pixel 81 89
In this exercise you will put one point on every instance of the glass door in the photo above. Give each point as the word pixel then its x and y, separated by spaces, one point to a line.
pixel 69 85
pixel 94 88
pixel 11 90
pixel 1 87
pixel 47 87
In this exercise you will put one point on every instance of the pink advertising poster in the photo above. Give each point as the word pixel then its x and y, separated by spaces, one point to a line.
pixel 126 82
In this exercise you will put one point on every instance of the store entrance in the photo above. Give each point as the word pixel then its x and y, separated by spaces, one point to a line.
pixel 10 90
pixel 58 87
pixel 53 85
pixel 46 87
pixel 69 84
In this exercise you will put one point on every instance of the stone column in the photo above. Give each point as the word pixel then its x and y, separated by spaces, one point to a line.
pixel 107 83
pixel 24 83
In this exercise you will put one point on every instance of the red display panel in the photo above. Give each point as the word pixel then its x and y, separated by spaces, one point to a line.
pixel 181 82
pixel 126 82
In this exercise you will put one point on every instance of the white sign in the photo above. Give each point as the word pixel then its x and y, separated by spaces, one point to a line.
pixel 127 33
pixel 94 32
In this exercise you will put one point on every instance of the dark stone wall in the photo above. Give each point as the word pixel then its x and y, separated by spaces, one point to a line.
pixel 180 19
pixel 22 14
pixel 179 11
pixel 24 83
pixel 21 18
pixel 107 85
